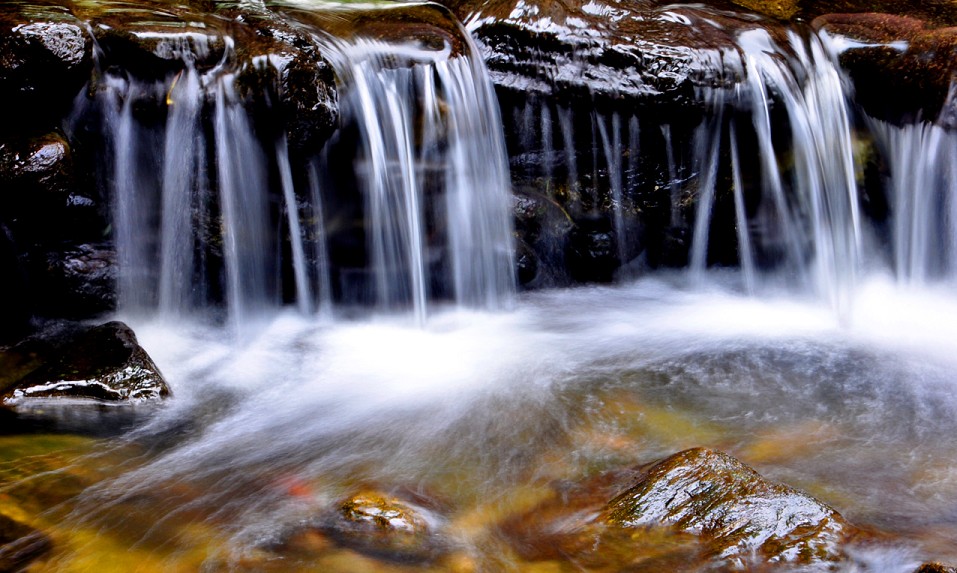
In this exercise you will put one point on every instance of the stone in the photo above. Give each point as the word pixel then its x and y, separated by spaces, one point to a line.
pixel 741 515
pixel 101 363
pixel 636 52
pixel 935 568
pixel 383 526
pixel 45 59
pixel 77 281
pixel 915 56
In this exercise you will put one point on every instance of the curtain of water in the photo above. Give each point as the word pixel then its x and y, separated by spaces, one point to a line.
pixel 707 144
pixel 321 253
pixel 436 113
pixel 300 272
pixel 922 195
pixel 820 217
pixel 183 162
pixel 478 187
pixel 243 188
pixel 611 143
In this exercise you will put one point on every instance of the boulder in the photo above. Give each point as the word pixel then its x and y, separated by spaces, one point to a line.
pixel 385 526
pixel 914 55
pixel 369 522
pixel 101 363
pixel 45 59
pixel 739 514
pixel 76 281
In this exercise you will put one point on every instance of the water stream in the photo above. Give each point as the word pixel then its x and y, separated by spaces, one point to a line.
pixel 831 370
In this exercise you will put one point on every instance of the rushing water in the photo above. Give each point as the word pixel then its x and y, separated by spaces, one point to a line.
pixel 832 371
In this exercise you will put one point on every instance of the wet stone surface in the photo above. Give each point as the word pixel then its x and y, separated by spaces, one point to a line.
pixel 739 514
pixel 102 363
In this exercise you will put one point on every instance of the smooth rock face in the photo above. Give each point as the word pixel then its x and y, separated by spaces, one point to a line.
pixel 102 363
pixel 742 515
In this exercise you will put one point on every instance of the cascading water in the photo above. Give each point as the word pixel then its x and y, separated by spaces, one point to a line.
pixel 475 416
pixel 431 164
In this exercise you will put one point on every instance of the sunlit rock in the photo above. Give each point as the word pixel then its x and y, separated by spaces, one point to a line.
pixel 102 363
pixel 741 515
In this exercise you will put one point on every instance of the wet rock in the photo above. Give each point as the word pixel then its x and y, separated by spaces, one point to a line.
pixel 914 56
pixel 935 568
pixel 45 58
pixel 36 178
pixel 77 281
pixel 152 39
pixel 741 515
pixel 640 52
pixel 20 544
pixel 565 527
pixel 384 526
pixel 781 9
pixel 102 363
pixel 592 251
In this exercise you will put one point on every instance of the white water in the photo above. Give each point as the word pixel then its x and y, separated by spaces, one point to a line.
pixel 860 366
pixel 383 401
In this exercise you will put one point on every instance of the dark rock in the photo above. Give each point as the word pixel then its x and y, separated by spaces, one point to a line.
pixel 20 544
pixel 102 363
pixel 36 177
pixel 154 39
pixel 77 281
pixel 914 56
pixel 637 52
pixel 45 59
pixel 592 251
pixel 740 514
pixel 14 310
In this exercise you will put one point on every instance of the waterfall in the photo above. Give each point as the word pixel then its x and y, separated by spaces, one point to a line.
pixel 208 210
pixel 611 144
pixel 243 187
pixel 922 191
pixel 448 104
pixel 182 168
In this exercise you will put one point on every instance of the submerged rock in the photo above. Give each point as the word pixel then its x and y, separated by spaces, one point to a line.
pixel 370 522
pixel 741 515
pixel 102 363
pixel 20 544
pixel 384 526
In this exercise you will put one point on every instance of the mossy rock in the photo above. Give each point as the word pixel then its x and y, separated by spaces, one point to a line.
pixel 102 363
pixel 741 515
